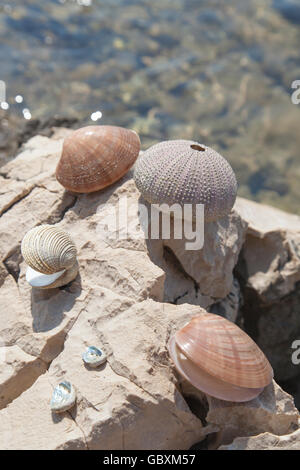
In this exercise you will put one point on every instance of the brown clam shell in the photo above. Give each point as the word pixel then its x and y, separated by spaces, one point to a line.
pixel 220 348
pixel 94 157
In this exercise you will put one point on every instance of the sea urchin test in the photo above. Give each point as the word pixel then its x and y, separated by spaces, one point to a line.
pixel 220 359
pixel 186 172
pixel 95 157
pixel 51 257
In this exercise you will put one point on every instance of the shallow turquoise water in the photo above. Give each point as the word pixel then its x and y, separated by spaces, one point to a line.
pixel 219 72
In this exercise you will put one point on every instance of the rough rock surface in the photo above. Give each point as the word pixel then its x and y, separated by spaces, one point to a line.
pixel 273 410
pixel 266 441
pixel 269 273
pixel 130 295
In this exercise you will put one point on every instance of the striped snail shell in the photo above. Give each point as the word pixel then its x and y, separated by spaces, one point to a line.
pixel 95 157
pixel 51 256
pixel 220 359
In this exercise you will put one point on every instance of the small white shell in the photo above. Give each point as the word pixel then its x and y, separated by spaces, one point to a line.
pixel 94 356
pixel 63 397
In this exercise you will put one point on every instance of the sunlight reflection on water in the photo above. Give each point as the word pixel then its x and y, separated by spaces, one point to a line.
pixel 218 73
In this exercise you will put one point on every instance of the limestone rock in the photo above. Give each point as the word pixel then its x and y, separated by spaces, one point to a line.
pixel 269 271
pixel 27 423
pixel 130 402
pixel 271 250
pixel 272 411
pixel 12 191
pixel 34 323
pixel 18 371
pixel 212 267
pixel 130 295
pixel 37 159
pixel 229 307
pixel 266 441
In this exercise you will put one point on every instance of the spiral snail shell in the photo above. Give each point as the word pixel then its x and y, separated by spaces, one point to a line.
pixel 51 257
pixel 220 359
pixel 186 172
pixel 94 157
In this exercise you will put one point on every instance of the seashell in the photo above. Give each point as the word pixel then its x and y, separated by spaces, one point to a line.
pixel 63 397
pixel 51 257
pixel 94 356
pixel 186 172
pixel 37 279
pixel 220 359
pixel 94 157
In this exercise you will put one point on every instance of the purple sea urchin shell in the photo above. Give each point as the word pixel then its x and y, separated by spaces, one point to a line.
pixel 186 172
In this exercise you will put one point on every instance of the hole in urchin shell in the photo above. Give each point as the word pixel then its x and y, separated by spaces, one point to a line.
pixel 198 147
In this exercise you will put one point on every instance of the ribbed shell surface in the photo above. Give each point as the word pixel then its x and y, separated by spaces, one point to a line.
pixel 222 349
pixel 207 383
pixel 186 172
pixel 94 157
pixel 48 249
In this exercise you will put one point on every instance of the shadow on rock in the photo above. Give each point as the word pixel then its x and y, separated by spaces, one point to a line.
pixel 49 306
pixel 89 204
pixel 179 287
